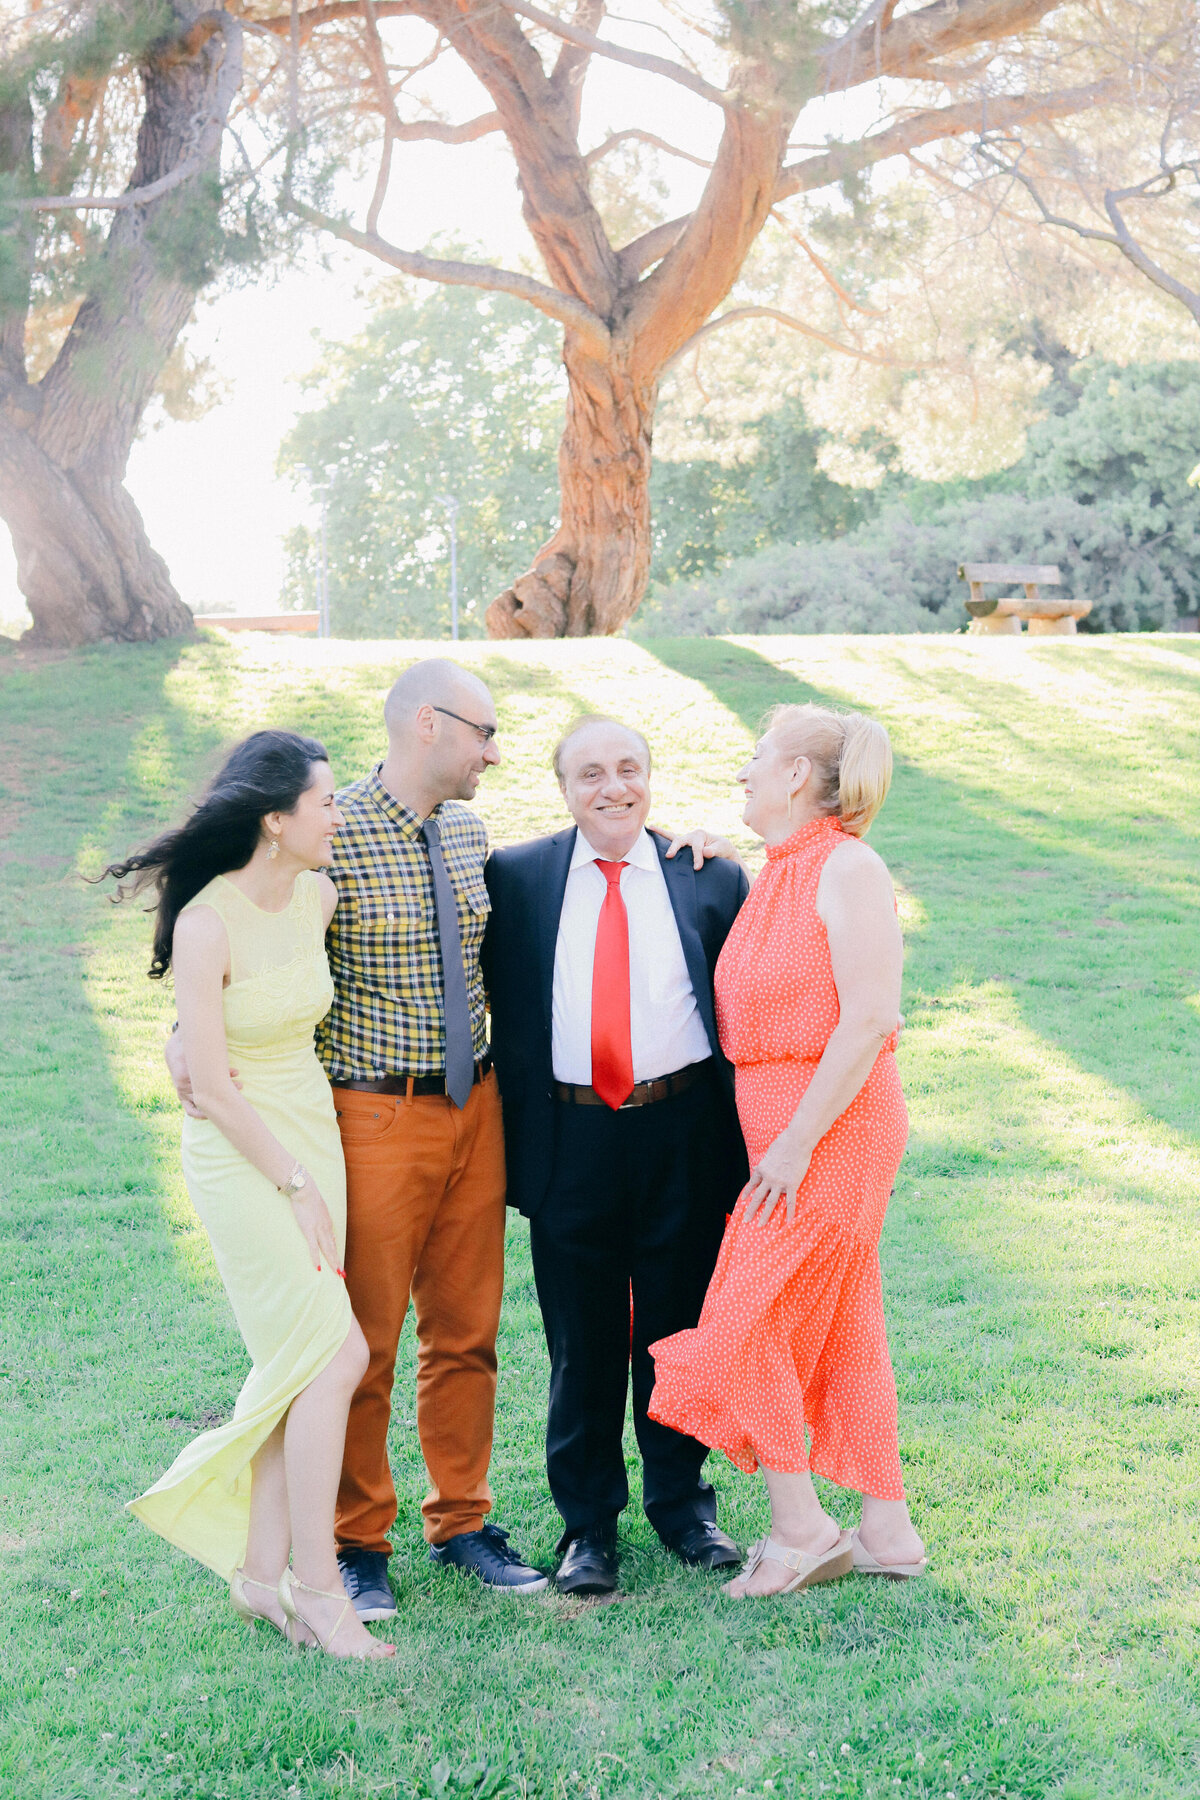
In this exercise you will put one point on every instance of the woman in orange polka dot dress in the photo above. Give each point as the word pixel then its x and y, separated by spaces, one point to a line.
pixel 792 1334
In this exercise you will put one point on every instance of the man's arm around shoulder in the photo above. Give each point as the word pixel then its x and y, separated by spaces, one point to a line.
pixel 724 884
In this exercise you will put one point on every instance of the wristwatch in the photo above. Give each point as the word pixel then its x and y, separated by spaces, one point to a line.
pixel 295 1181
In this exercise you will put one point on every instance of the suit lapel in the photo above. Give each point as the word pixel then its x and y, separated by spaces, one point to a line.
pixel 680 877
pixel 552 884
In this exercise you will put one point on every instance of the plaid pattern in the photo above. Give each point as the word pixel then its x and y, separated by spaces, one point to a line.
pixel 387 1016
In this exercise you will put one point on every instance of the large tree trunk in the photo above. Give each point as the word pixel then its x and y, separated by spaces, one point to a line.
pixel 589 579
pixel 84 562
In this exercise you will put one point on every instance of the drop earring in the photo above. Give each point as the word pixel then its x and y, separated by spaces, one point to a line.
pixel 790 799
pixel 273 850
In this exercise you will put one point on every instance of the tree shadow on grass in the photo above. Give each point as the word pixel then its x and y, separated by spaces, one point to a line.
pixel 1015 1382
pixel 1073 931
pixel 90 1391
pixel 669 1692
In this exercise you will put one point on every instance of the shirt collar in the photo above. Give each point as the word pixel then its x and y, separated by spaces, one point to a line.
pixel 642 855
pixel 407 822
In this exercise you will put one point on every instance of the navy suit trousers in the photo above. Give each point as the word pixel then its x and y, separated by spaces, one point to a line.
pixel 638 1199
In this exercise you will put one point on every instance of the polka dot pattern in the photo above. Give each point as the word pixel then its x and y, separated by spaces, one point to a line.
pixel 792 1338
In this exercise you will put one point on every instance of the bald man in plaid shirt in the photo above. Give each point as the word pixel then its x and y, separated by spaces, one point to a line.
pixel 405 1048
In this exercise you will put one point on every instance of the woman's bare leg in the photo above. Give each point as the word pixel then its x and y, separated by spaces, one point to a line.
pixel 799 1521
pixel 888 1532
pixel 270 1536
pixel 313 1442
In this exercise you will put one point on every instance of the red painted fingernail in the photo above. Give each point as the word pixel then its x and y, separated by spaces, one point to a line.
pixel 342 1273
pixel 318 1268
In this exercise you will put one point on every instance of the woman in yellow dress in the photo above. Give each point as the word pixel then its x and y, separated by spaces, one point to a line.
pixel 240 922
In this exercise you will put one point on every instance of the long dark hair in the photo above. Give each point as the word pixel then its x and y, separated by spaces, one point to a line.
pixel 265 773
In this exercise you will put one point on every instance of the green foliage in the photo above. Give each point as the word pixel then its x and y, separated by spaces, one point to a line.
pixel 86 76
pixel 447 392
pixel 785 38
pixel 705 512
pixel 1102 490
pixel 1127 448
pixel 899 573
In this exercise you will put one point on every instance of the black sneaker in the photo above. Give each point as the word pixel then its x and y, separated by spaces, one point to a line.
pixel 487 1554
pixel 365 1579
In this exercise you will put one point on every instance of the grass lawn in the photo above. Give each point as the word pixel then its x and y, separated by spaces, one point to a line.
pixel 1040 1267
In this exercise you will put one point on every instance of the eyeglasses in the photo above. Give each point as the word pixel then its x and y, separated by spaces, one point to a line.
pixel 486 732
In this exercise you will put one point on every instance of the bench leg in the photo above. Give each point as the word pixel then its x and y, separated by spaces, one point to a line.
pixel 996 625
pixel 1064 627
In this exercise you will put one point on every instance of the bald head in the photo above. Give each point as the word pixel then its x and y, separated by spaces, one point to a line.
pixel 603 768
pixel 597 732
pixel 441 726
pixel 436 681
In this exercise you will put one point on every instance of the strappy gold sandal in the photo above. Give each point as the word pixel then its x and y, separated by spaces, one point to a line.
pixel 237 1599
pixel 865 1564
pixel 831 1565
pixel 290 1584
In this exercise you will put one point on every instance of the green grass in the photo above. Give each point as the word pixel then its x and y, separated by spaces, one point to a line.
pixel 1040 1264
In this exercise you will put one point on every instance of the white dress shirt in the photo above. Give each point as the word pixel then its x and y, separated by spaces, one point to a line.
pixel 666 1029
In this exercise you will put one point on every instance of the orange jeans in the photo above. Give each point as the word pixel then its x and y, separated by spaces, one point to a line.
pixel 424 1216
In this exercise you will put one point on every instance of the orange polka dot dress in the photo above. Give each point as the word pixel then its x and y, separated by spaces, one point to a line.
pixel 792 1337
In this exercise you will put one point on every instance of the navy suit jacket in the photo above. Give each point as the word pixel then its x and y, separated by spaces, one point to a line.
pixel 527 883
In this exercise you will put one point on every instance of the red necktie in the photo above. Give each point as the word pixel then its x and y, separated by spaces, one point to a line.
pixel 612 1051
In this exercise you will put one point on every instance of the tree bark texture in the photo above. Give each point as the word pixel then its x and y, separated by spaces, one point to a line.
pixel 84 561
pixel 587 580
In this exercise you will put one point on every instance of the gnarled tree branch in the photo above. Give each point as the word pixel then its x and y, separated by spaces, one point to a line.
pixel 569 312
pixel 635 59
pixel 634 134
pixel 107 202
pixel 737 313
pixel 908 46
pixel 990 112
pixel 1120 237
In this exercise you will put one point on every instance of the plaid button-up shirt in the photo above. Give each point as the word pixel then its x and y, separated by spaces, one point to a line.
pixel 388 1016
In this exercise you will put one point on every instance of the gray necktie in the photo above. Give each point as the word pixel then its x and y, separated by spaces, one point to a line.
pixel 460 1054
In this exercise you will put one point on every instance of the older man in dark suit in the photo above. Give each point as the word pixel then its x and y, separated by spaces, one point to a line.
pixel 621 1134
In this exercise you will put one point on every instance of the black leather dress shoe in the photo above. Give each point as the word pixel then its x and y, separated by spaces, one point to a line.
pixel 589 1566
pixel 703 1545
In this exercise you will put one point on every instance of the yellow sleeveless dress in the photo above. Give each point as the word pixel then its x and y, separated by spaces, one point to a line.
pixel 293 1319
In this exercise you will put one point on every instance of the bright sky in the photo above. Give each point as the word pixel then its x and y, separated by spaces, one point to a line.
pixel 207 490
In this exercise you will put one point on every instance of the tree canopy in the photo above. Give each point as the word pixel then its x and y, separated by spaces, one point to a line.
pixel 144 143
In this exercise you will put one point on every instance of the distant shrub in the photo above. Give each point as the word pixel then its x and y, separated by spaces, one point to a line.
pixel 899 573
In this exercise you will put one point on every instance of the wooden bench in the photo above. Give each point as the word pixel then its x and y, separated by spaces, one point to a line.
pixel 1047 617
pixel 289 621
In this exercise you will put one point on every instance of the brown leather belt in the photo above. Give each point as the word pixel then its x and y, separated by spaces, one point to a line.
pixel 417 1085
pixel 644 1094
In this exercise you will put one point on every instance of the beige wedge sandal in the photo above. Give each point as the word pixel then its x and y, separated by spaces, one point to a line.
pixel 290 1585
pixel 865 1564
pixel 831 1565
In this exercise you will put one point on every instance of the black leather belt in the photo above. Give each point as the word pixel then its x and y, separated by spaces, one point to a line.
pixel 417 1085
pixel 644 1094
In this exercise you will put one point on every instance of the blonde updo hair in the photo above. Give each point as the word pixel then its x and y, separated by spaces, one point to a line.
pixel 851 757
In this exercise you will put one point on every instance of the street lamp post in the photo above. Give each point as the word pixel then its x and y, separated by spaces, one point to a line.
pixel 320 488
pixel 451 506
pixel 323 590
